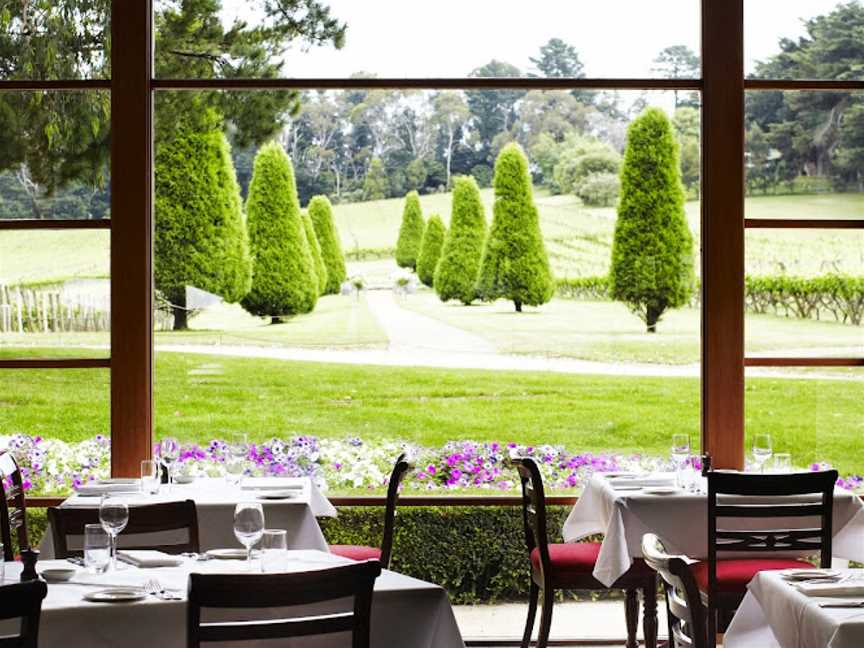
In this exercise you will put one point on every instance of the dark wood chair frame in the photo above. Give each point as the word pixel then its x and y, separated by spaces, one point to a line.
pixel 248 591
pixel 684 609
pixel 23 601
pixel 152 518
pixel 721 606
pixel 13 507
pixel 536 537
pixel 397 475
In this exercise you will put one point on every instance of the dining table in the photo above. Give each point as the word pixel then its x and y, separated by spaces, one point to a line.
pixel 290 503
pixel 624 507
pixel 775 613
pixel 406 612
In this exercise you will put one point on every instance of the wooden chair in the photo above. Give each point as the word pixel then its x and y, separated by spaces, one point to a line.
pixel 13 507
pixel 723 581
pixel 153 518
pixel 684 608
pixel 570 566
pixel 382 555
pixel 250 591
pixel 22 601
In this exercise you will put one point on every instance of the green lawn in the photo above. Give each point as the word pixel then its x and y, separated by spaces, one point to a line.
pixel 201 397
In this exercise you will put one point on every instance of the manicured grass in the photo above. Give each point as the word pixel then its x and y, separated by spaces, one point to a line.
pixel 28 256
pixel 200 397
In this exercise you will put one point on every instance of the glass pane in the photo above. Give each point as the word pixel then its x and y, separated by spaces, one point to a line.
pixel 55 40
pixel 391 38
pixel 55 293
pixel 815 419
pixel 55 161
pixel 57 423
pixel 803 39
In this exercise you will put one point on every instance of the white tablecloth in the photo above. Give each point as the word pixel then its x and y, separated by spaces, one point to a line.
pixel 215 501
pixel 775 615
pixel 681 520
pixel 406 612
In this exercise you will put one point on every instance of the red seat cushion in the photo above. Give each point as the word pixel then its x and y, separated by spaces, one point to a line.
pixel 356 552
pixel 576 559
pixel 734 575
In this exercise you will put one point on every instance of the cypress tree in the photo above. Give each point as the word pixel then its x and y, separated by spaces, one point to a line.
pixel 376 184
pixel 410 232
pixel 315 249
pixel 652 253
pixel 321 215
pixel 283 279
pixel 456 275
pixel 430 249
pixel 200 238
pixel 515 265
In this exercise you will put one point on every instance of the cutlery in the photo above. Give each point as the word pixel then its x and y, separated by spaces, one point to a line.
pixel 843 604
pixel 155 588
pixel 76 561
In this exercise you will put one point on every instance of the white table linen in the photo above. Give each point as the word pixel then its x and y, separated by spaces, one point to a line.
pixel 680 519
pixel 775 615
pixel 406 612
pixel 215 501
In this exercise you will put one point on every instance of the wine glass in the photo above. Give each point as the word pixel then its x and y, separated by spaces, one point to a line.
pixel 169 452
pixel 248 526
pixel 114 516
pixel 762 450
pixel 680 453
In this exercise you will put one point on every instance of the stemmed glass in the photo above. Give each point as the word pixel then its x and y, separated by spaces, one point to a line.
pixel 762 450
pixel 235 462
pixel 248 526
pixel 169 452
pixel 114 516
pixel 680 454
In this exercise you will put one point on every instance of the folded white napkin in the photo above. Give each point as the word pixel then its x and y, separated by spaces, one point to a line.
pixel 103 489
pixel 642 481
pixel 842 588
pixel 149 558
pixel 271 483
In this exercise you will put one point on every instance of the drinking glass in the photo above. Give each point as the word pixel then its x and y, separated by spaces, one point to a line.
pixel 762 450
pixel 680 454
pixel 149 477
pixel 238 445
pixel 97 548
pixel 169 452
pixel 234 469
pixel 782 462
pixel 114 516
pixel 248 526
pixel 274 545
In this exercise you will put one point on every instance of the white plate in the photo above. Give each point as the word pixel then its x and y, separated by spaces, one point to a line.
pixel 119 480
pixel 116 595
pixel 228 554
pixel 184 479
pixel 809 574
pixel 620 475
pixel 278 495
pixel 660 490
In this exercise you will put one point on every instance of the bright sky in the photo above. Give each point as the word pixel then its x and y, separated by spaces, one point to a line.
pixel 448 38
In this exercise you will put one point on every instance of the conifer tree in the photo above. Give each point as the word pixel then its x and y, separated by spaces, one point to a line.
pixel 430 249
pixel 410 232
pixel 315 249
pixel 456 275
pixel 321 214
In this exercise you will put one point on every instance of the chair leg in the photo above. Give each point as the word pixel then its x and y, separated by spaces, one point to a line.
pixel 546 617
pixel 533 595
pixel 649 613
pixel 712 627
pixel 631 615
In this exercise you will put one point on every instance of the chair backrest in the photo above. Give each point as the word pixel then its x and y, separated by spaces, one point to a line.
pixel 22 601
pixel 683 602
pixel 13 507
pixel 400 469
pixel 533 509
pixel 161 519
pixel 246 591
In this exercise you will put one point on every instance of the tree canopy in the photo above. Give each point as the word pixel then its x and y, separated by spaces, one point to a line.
pixel 456 274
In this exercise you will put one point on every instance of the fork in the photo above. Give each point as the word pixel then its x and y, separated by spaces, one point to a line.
pixel 154 587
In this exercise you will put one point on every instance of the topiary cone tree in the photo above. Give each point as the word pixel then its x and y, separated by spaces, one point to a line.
pixel 652 252
pixel 515 265
pixel 321 215
pixel 410 232
pixel 456 275
pixel 315 249
pixel 430 249
pixel 199 236
pixel 284 282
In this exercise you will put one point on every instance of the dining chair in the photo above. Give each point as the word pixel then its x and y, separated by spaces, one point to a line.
pixel 744 527
pixel 22 601
pixel 385 552
pixel 179 517
pixel 13 507
pixel 684 609
pixel 261 591
pixel 570 566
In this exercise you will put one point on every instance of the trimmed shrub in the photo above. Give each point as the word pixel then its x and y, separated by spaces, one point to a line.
pixel 284 280
pixel 410 233
pixel 840 296
pixel 652 252
pixel 456 275
pixel 515 265
pixel 376 185
pixel 599 190
pixel 430 249
pixel 586 288
pixel 199 238
pixel 315 249
pixel 321 215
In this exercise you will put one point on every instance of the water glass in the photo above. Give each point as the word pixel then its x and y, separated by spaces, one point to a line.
pixel 762 450
pixel 234 469
pixel 782 462
pixel 97 552
pixel 680 454
pixel 149 477
pixel 274 545
pixel 248 526
pixel 114 516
